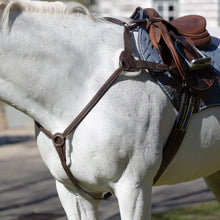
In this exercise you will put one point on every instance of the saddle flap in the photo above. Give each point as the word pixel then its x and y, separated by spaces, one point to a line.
pixel 200 80
pixel 159 33
pixel 152 13
pixel 155 36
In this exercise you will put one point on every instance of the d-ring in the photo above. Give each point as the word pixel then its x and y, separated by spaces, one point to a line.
pixel 58 140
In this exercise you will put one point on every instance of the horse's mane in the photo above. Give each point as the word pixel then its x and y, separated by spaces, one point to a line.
pixel 40 7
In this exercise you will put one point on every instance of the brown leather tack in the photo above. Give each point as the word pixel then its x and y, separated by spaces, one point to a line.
pixel 162 34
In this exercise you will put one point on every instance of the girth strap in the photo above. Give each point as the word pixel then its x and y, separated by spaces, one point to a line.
pixel 178 132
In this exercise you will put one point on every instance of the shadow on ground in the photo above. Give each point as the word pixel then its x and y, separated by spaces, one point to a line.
pixel 38 216
pixel 7 140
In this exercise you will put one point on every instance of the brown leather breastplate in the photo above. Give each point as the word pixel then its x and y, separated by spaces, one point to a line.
pixel 127 63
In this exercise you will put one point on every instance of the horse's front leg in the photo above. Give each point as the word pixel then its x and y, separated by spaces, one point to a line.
pixel 134 199
pixel 75 206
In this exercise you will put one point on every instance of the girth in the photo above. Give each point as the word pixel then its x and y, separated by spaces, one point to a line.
pixel 127 63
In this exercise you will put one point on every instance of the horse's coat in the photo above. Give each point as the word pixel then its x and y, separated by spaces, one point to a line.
pixel 51 66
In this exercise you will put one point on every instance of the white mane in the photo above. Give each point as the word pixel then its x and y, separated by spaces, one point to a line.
pixel 40 7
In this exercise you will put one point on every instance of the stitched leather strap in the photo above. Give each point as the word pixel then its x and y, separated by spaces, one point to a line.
pixel 178 132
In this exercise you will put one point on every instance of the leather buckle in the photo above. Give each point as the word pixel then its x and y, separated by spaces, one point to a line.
pixel 194 64
pixel 127 62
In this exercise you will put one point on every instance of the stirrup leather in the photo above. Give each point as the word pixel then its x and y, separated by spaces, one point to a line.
pixel 194 64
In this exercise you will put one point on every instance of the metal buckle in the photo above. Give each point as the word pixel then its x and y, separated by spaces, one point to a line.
pixel 195 64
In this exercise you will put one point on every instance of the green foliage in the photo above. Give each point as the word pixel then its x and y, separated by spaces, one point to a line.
pixel 204 211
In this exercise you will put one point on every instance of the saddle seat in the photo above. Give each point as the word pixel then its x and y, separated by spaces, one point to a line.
pixel 193 27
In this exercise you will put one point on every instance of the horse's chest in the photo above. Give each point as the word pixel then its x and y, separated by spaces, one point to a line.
pixel 50 157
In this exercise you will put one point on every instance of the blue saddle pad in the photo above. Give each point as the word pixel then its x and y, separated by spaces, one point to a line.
pixel 172 87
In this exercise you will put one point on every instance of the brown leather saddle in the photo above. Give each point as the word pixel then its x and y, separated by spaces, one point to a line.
pixel 178 42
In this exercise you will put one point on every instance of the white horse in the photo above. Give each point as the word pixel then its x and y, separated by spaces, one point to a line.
pixel 53 61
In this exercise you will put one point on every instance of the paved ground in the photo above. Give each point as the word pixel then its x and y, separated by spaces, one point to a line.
pixel 27 190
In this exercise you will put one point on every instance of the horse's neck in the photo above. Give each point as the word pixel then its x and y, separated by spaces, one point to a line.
pixel 51 65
